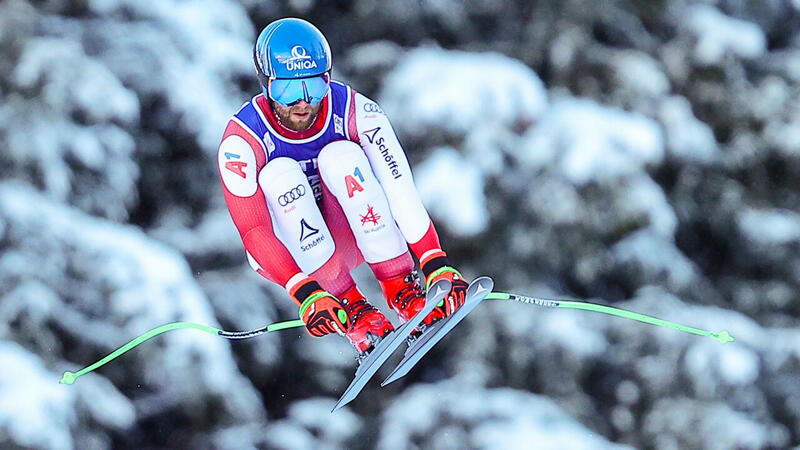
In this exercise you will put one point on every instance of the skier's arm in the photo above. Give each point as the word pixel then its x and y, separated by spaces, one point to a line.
pixel 389 163
pixel 240 157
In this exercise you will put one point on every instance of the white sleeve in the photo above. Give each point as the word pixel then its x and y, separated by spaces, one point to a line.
pixel 390 165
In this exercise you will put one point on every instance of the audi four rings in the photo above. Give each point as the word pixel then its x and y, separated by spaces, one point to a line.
pixel 294 194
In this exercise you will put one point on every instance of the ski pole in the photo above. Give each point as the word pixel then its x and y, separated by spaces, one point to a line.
pixel 70 377
pixel 722 336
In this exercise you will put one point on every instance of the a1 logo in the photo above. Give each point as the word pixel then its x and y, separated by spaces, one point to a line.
pixel 236 167
pixel 352 185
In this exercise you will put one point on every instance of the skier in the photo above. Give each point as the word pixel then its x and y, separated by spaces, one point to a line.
pixel 317 183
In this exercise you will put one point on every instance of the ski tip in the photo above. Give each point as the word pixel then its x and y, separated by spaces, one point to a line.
pixel 347 397
pixel 390 379
pixel 484 283
pixel 340 403
pixel 440 288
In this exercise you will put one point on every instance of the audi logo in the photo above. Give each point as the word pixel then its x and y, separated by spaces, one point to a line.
pixel 372 108
pixel 292 195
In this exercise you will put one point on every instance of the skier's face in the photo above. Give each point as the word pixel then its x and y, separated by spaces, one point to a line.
pixel 297 117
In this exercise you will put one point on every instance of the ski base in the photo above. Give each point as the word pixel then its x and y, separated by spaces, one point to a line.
pixel 386 347
pixel 476 292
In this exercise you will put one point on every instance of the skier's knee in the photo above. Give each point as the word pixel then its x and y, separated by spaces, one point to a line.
pixel 345 169
pixel 342 158
pixel 284 182
pixel 279 170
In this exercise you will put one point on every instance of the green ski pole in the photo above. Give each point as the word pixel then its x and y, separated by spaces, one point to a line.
pixel 722 336
pixel 70 377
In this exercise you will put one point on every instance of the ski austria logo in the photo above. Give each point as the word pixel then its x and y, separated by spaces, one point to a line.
pixel 237 166
pixel 292 195
pixel 370 216
pixel 371 221
pixel 300 59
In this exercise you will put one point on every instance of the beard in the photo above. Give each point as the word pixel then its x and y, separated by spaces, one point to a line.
pixel 299 117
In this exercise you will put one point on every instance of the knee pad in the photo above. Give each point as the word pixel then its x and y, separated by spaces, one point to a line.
pixel 296 218
pixel 346 172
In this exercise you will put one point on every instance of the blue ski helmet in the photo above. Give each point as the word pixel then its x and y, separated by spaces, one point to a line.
pixel 292 60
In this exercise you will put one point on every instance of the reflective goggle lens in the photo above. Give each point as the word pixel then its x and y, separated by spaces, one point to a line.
pixel 287 92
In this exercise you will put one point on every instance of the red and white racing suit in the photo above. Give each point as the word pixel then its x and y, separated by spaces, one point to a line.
pixel 303 215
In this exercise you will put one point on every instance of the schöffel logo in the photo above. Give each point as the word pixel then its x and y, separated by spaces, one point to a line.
pixel 306 230
pixel 373 138
pixel 292 195
pixel 299 60
pixel 370 134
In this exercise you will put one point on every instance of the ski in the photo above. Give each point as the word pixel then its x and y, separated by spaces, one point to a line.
pixel 476 292
pixel 370 364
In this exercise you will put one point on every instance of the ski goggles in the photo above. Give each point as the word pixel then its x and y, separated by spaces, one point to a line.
pixel 289 91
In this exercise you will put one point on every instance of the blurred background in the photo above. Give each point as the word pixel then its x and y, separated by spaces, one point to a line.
pixel 641 154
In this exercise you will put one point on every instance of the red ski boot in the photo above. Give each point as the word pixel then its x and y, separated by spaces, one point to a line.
pixel 406 296
pixel 367 325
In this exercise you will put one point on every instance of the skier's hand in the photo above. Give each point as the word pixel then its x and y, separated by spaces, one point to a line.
pixel 458 289
pixel 323 314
